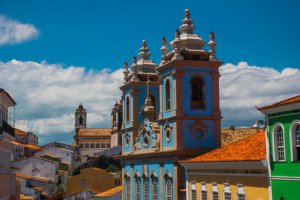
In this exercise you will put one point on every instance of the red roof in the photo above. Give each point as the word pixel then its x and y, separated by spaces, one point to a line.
pixel 252 148
pixel 283 102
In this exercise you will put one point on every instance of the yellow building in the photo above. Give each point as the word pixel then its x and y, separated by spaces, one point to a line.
pixel 236 171
pixel 89 182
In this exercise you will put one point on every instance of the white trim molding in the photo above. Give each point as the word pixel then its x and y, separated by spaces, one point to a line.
pixel 274 145
pixel 293 140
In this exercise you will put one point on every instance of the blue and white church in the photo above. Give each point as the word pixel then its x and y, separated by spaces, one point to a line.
pixel 171 112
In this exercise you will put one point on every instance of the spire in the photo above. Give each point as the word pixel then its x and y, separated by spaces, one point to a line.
pixel 176 46
pixel 212 44
pixel 164 50
pixel 144 51
pixel 187 23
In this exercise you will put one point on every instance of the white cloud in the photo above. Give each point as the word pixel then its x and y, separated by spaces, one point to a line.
pixel 12 31
pixel 242 87
pixel 47 94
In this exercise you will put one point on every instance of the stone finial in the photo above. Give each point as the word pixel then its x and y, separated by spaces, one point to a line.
pixel 212 44
pixel 164 50
pixel 187 14
pixel 126 71
pixel 177 50
pixel 177 34
pixel 144 51
pixel 134 60
pixel 187 23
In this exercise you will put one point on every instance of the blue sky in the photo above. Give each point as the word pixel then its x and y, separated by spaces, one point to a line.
pixel 99 34
pixel 56 54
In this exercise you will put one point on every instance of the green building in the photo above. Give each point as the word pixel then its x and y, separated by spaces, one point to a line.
pixel 283 145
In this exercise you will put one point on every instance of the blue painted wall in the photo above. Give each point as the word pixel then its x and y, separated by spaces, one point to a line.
pixel 165 142
pixel 190 141
pixel 208 93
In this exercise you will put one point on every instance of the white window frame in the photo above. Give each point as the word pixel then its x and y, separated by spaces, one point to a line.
pixel 293 140
pixel 227 191
pixel 274 142
pixel 169 194
pixel 155 179
pixel 146 188
pixel 240 191
pixel 203 189
pixel 127 191
pixel 193 191
pixel 138 188
pixel 214 188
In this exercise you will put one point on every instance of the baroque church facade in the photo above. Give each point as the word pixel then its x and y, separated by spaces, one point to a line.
pixel 170 112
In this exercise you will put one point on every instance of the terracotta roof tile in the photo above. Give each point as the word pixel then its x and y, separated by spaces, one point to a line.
pixel 94 132
pixel 110 192
pixel 20 132
pixel 252 148
pixel 23 176
pixel 34 147
pixel 283 102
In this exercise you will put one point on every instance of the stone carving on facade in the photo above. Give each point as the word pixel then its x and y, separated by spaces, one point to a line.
pixel 198 129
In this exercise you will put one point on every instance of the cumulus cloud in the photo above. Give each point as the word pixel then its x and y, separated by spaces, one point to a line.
pixel 242 87
pixel 13 31
pixel 47 94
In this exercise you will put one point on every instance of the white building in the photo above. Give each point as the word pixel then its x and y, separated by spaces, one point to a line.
pixel 65 155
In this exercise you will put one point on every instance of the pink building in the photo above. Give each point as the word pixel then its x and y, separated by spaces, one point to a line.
pixel 7 135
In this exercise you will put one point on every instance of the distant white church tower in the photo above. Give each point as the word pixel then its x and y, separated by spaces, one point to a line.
pixel 80 117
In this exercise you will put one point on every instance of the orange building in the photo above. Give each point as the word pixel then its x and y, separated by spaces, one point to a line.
pixel 236 171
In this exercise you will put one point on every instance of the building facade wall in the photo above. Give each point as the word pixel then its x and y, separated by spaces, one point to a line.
pixel 284 174
pixel 254 187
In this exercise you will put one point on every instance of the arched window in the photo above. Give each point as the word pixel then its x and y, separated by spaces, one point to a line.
pixel 80 119
pixel 169 188
pixel 279 147
pixel 197 93
pixel 146 188
pixel 193 192
pixel 127 187
pixel 127 109
pixel 86 145
pixel 295 143
pixel 138 188
pixel 154 188
pixel 168 94
pixel 92 145
pixel 215 192
pixel 154 105
pixel 98 145
pixel 203 191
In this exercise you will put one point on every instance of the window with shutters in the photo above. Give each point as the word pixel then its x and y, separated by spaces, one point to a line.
pixel 146 189
pixel 240 194
pixel 193 191
pixel 295 140
pixel 203 191
pixel 169 188
pixel 154 188
pixel 215 192
pixel 138 188
pixel 279 146
pixel 227 191
pixel 127 195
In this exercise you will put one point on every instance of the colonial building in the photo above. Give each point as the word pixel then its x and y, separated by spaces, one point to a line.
pixel 170 112
pixel 116 122
pixel 26 137
pixel 283 134
pixel 88 183
pixel 236 171
pixel 7 135
pixel 89 140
